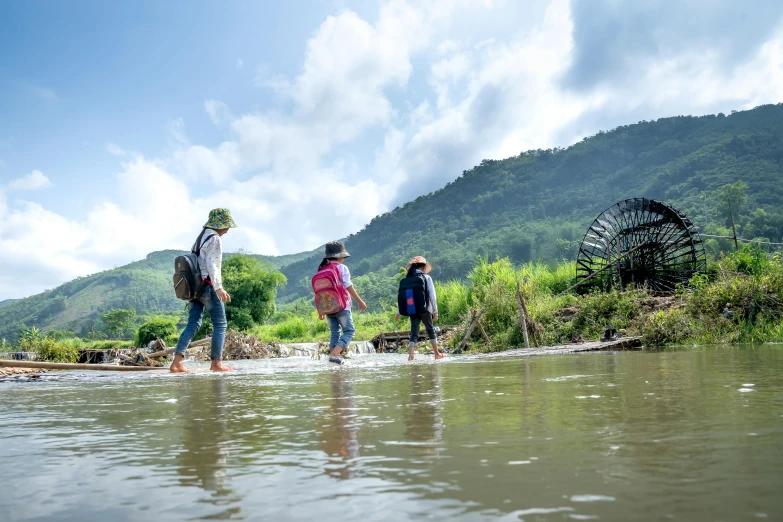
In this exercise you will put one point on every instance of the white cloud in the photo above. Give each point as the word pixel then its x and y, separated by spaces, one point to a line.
pixel 33 181
pixel 240 63
pixel 407 95
pixel 114 149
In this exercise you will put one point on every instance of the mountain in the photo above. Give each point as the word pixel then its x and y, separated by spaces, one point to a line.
pixel 7 302
pixel 534 206
pixel 79 304
pixel 538 205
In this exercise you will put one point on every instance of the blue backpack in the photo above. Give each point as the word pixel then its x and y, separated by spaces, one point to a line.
pixel 412 296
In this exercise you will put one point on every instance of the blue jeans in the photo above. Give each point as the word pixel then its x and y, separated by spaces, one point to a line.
pixel 336 321
pixel 217 312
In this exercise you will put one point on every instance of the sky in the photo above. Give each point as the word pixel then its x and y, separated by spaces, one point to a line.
pixel 123 123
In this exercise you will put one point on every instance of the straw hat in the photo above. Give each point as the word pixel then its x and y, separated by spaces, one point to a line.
pixel 420 260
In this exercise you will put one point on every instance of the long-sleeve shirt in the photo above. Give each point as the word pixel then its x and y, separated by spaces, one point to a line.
pixel 210 259
pixel 432 306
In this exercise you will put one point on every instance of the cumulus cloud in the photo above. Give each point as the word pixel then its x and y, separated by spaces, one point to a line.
pixel 33 181
pixel 386 108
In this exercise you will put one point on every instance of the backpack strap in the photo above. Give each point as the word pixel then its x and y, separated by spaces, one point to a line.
pixel 200 242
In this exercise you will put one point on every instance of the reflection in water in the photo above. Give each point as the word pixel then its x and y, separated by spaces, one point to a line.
pixel 423 423
pixel 203 458
pixel 642 436
pixel 339 426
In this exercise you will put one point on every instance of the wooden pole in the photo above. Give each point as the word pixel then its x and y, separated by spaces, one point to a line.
pixel 529 321
pixel 522 318
pixel 733 228
pixel 484 333
pixel 474 320
pixel 75 366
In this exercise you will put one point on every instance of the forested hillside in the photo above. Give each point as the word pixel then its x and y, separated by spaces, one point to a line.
pixel 77 306
pixel 537 206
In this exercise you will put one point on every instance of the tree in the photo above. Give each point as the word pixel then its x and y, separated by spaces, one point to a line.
pixel 160 327
pixel 736 193
pixel 253 288
pixel 119 321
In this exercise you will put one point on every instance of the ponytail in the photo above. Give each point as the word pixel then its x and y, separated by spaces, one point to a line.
pixel 324 262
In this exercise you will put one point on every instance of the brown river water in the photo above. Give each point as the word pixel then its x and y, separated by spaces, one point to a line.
pixel 690 435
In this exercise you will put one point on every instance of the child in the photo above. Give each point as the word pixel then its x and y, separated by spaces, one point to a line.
pixel 419 266
pixel 336 254
pixel 209 248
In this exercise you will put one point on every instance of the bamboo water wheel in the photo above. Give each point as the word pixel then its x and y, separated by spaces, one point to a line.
pixel 639 242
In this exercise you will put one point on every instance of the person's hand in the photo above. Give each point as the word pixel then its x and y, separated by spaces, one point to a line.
pixel 434 317
pixel 397 318
pixel 223 296
pixel 362 305
pixel 321 317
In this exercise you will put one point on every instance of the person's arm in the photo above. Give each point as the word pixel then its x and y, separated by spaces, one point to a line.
pixel 359 302
pixel 213 252
pixel 433 298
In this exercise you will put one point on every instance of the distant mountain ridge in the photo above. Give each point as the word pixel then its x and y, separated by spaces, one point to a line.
pixel 534 206
pixel 78 305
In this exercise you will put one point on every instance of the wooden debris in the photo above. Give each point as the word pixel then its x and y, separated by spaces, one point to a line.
pixel 240 346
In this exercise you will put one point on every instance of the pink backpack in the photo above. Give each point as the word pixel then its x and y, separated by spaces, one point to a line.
pixel 330 294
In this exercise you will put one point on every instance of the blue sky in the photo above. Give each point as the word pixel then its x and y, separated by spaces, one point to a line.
pixel 122 124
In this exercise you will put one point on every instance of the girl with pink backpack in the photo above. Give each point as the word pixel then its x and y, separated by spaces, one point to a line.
pixel 333 292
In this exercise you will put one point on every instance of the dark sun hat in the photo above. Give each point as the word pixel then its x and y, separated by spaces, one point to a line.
pixel 335 250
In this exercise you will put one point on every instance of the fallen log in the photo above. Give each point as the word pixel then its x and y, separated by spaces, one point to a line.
pixel 76 366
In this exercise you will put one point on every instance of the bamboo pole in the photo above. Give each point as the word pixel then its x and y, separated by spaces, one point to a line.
pixel 75 366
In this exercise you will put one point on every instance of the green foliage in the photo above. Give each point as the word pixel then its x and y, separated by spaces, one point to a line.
pixel 5 346
pixel 120 321
pixel 161 327
pixel 47 349
pixel 667 327
pixel 253 287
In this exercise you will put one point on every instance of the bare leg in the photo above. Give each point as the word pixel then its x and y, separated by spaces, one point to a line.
pixel 336 351
pixel 217 366
pixel 438 354
pixel 176 364
pixel 411 348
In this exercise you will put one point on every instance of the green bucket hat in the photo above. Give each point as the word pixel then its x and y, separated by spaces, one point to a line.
pixel 220 218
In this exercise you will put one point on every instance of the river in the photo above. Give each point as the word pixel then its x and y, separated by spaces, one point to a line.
pixel 691 435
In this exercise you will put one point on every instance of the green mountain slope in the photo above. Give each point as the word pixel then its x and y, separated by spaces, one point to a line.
pixel 79 304
pixel 537 206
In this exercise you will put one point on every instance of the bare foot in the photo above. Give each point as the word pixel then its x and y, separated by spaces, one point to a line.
pixel 217 366
pixel 410 357
pixel 335 352
pixel 439 356
pixel 176 365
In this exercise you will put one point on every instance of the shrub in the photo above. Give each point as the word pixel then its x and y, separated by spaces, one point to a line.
pixel 157 328
pixel 294 328
pixel 48 349
pixel 667 327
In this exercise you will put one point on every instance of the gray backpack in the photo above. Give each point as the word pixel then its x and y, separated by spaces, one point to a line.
pixel 188 284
